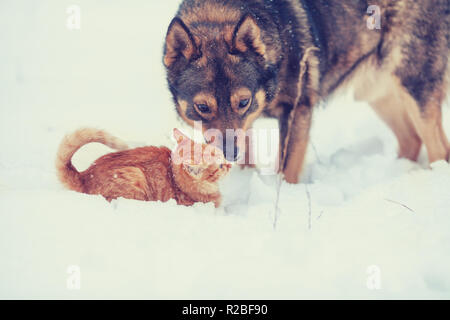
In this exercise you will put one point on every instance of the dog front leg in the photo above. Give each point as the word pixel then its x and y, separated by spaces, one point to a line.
pixel 249 156
pixel 295 124
pixel 297 141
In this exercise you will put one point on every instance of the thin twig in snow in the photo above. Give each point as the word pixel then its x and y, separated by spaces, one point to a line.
pixel 283 154
pixel 315 151
pixel 308 194
pixel 320 215
pixel 401 204
pixel 277 208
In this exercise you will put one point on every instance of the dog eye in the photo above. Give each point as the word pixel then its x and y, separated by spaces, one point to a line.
pixel 203 108
pixel 243 103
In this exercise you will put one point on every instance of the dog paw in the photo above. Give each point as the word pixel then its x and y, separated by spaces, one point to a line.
pixel 439 164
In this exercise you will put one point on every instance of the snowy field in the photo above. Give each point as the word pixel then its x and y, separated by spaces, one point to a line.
pixel 363 224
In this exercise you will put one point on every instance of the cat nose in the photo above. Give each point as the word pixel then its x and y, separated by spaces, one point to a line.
pixel 226 166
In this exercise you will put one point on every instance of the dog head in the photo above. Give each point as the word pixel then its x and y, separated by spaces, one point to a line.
pixel 219 74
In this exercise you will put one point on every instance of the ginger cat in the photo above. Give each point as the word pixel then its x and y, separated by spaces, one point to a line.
pixel 147 173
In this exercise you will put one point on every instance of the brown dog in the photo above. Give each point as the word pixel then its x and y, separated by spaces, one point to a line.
pixel 230 62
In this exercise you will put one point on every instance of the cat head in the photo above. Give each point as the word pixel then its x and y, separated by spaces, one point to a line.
pixel 202 162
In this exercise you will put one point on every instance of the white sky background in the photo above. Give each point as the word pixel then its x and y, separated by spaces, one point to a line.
pixel 107 74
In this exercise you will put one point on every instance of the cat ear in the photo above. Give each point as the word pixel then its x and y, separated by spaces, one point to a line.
pixel 180 136
pixel 180 43
pixel 247 36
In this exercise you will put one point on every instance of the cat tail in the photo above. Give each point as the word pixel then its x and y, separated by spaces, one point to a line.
pixel 67 173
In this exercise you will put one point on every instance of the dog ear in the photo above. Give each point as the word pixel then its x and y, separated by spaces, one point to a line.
pixel 247 36
pixel 179 43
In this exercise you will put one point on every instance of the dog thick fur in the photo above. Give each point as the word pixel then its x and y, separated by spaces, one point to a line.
pixel 230 62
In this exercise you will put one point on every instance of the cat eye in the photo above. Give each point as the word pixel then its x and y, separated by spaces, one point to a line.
pixel 243 103
pixel 203 108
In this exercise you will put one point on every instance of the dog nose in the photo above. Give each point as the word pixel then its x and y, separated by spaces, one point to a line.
pixel 231 153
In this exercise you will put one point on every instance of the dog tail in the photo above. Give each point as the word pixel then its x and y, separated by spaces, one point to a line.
pixel 67 173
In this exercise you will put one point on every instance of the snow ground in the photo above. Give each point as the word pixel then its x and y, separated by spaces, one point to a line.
pixel 358 206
